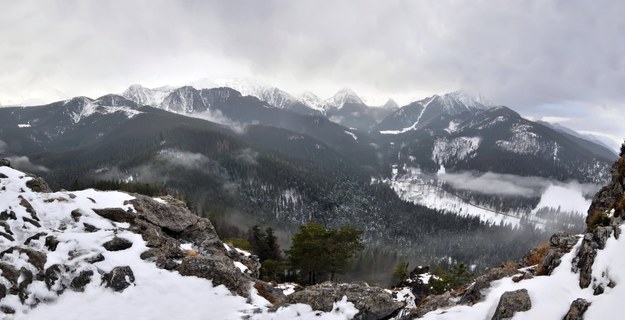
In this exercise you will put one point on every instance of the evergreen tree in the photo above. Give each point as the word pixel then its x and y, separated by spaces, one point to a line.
pixel 318 252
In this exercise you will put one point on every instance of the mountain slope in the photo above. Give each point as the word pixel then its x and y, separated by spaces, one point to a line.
pixel 498 140
pixel 418 114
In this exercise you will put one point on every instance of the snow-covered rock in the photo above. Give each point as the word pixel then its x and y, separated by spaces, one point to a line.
pixel 145 96
pixel 59 259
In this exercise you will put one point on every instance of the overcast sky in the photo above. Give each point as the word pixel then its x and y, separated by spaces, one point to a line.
pixel 564 60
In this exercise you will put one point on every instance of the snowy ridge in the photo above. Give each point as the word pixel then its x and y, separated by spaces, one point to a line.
pixel 272 95
pixel 64 227
pixel 312 101
pixel 88 107
pixel 145 96
pixel 344 96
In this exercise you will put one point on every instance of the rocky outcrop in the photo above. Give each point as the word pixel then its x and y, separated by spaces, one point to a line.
pixel 431 303
pixel 577 310
pixel 473 294
pixel 167 225
pixel 559 244
pixel 372 302
pixel 37 184
pixel 512 302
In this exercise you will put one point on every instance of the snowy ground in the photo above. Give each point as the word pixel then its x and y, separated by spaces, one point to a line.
pixel 156 293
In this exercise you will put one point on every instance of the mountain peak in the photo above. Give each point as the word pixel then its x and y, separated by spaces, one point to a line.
pixel 343 96
pixel 145 96
pixel 248 87
pixel 313 101
pixel 390 104
pixel 467 99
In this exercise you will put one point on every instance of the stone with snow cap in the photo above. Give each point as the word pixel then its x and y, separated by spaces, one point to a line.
pixel 372 302
pixel 173 218
pixel 512 302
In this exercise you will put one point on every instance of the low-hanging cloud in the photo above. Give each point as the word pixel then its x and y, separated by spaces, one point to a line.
pixel 508 184
pixel 24 163
pixel 247 155
pixel 3 146
pixel 217 117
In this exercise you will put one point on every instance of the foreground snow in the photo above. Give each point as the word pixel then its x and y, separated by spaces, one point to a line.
pixel 155 293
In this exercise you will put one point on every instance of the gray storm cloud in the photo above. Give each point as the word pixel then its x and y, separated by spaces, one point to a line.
pixel 540 57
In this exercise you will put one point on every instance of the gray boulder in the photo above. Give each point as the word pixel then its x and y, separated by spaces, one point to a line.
pixel 512 302
pixel 473 293
pixel 117 244
pixel 577 310
pixel 37 184
pixel 119 278
pixel 372 302
pixel 219 269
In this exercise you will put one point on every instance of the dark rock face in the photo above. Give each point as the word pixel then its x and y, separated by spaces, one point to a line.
pixel 119 278
pixel 117 244
pixel 115 214
pixel 269 292
pixel 512 302
pixel 577 310
pixel 473 294
pixel 166 226
pixel 372 302
pixel 37 184
pixel 431 303
pixel 5 163
pixel 219 269
pixel 559 244
pixel 588 251
pixel 81 280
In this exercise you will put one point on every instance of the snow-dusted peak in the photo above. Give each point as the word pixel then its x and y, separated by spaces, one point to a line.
pixel 247 87
pixel 145 96
pixel 467 99
pixel 390 104
pixel 313 101
pixel 343 96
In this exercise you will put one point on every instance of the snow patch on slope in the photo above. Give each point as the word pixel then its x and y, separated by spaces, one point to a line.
pixel 458 148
